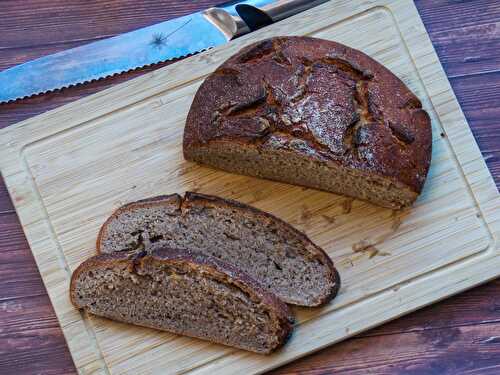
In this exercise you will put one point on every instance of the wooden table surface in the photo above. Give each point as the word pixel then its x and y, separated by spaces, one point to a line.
pixel 459 335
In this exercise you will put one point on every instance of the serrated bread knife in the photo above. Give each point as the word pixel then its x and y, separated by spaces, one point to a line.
pixel 150 45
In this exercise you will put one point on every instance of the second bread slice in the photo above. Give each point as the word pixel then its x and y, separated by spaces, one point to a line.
pixel 271 251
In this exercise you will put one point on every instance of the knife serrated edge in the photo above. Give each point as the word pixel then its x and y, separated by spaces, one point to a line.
pixel 78 83
pixel 209 26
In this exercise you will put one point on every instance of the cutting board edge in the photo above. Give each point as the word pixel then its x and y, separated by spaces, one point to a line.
pixel 484 191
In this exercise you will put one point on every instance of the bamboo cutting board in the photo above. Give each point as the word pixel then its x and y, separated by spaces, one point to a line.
pixel 68 169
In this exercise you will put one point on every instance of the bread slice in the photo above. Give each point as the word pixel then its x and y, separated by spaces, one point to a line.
pixel 184 293
pixel 271 251
pixel 315 113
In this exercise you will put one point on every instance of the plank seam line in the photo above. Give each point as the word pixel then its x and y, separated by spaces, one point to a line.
pixel 60 43
pixel 7 299
pixel 460 28
pixel 486 72
pixel 29 332
pixel 417 330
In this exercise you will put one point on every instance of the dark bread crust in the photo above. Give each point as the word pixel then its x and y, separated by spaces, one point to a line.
pixel 183 204
pixel 203 264
pixel 318 98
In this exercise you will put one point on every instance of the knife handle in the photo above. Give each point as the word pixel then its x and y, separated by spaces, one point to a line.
pixel 281 9
pixel 236 18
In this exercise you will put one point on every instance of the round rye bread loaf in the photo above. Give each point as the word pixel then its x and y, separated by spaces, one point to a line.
pixel 314 113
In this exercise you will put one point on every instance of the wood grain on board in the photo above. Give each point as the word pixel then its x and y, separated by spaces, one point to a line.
pixel 471 61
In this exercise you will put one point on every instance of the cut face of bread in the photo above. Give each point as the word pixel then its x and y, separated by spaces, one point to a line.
pixel 271 251
pixel 314 113
pixel 184 293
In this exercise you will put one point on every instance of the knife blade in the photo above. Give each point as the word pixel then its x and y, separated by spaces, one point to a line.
pixel 161 42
